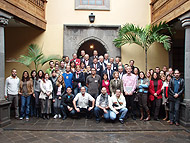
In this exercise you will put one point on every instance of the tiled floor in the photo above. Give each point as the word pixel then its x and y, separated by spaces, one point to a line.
pixel 87 131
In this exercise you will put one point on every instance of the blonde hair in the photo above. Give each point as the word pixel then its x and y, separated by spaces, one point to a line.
pixel 60 83
pixel 115 73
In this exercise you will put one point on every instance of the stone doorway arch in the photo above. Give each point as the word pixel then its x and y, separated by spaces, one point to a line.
pixel 76 35
pixel 97 44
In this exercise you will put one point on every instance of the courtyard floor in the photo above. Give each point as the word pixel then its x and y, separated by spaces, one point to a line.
pixel 88 131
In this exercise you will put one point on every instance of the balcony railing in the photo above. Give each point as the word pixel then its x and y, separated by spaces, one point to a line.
pixel 167 10
pixel 31 11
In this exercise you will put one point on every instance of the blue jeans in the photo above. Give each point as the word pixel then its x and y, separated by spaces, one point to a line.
pixel 174 111
pixel 66 112
pixel 25 105
pixel 99 112
pixel 122 113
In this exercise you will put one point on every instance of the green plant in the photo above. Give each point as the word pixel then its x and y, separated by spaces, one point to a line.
pixel 144 37
pixel 35 55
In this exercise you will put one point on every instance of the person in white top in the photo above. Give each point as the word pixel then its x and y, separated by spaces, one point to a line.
pixel 11 90
pixel 81 103
pixel 46 96
pixel 117 105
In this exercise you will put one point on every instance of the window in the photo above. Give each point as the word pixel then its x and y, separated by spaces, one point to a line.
pixel 92 4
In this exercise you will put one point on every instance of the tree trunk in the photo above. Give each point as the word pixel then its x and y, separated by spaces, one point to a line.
pixel 146 60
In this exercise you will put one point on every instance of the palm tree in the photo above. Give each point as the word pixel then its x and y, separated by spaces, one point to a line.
pixel 36 56
pixel 144 37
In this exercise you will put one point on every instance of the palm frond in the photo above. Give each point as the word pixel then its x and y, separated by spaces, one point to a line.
pixel 49 58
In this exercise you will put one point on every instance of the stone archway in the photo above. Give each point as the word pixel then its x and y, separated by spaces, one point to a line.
pixel 97 43
pixel 76 35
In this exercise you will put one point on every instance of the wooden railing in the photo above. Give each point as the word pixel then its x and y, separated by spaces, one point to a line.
pixel 167 10
pixel 31 11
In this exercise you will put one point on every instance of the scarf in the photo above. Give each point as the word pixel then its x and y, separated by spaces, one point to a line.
pixel 104 98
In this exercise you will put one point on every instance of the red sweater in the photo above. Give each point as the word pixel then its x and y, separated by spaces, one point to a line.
pixel 152 91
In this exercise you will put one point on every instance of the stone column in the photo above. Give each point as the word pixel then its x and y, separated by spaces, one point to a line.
pixel 4 105
pixel 185 109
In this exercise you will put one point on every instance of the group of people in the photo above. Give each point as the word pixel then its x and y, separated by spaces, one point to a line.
pixel 99 86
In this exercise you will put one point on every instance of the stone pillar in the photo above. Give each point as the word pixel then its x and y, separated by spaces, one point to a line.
pixel 185 108
pixel 4 105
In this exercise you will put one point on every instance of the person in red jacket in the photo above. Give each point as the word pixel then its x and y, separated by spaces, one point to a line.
pixel 75 59
pixel 155 94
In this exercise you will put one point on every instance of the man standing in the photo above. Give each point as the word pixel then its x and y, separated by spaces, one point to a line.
pixel 129 85
pixel 113 65
pixel 11 90
pixel 120 70
pixel 81 103
pixel 117 104
pixel 68 76
pixel 62 67
pixel 97 66
pixel 108 71
pixel 87 62
pixel 75 59
pixel 93 83
pixel 82 57
pixel 101 61
pixel 102 106
pixel 176 89
pixel 95 55
pixel 51 67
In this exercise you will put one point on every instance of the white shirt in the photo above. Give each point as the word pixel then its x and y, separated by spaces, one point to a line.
pixel 12 85
pixel 83 100
pixel 120 102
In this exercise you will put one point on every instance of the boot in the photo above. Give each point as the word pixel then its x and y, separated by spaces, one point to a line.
pixel 142 115
pixel 47 116
pixel 43 116
pixel 148 117
pixel 37 113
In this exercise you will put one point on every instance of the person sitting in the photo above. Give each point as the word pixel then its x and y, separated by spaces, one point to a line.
pixel 67 104
pixel 102 106
pixel 81 104
pixel 117 104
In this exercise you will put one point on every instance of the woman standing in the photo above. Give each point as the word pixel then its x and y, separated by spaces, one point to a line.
pixel 46 96
pixel 25 90
pixel 165 96
pixel 78 80
pixel 142 94
pixel 59 90
pixel 116 83
pixel 106 83
pixel 155 94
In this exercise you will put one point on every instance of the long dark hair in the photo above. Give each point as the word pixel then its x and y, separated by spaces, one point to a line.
pixel 158 77
pixel 27 78
pixel 40 77
pixel 32 73
pixel 143 74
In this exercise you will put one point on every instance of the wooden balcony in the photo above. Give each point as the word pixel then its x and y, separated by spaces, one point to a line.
pixel 31 12
pixel 167 10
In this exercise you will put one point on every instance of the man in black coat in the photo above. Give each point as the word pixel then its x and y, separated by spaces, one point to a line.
pixel 108 71
pixel 97 66
pixel 176 89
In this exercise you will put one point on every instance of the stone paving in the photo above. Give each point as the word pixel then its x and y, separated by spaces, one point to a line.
pixel 87 131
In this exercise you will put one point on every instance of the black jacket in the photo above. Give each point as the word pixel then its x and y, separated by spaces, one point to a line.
pixel 55 88
pixel 66 101
pixel 180 90
pixel 81 79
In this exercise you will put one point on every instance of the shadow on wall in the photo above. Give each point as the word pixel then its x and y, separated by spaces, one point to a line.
pixel 16 41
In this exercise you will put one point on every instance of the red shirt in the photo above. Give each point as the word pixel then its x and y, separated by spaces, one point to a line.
pixel 106 86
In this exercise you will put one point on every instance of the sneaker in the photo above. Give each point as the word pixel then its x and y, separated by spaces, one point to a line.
pixel 27 118
pixel 21 118
pixel 55 117
pixel 177 124
pixel 17 117
pixel 59 116
pixel 121 121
